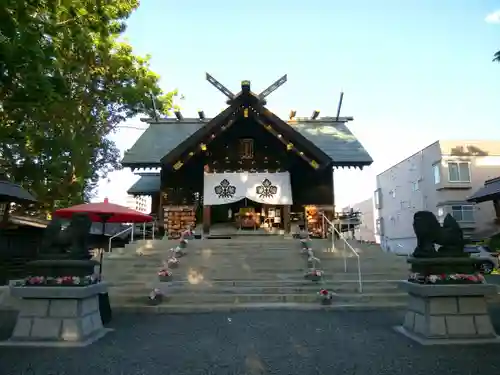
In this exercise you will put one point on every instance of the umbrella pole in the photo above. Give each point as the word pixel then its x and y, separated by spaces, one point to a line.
pixel 101 257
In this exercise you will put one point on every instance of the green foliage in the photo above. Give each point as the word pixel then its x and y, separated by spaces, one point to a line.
pixel 66 82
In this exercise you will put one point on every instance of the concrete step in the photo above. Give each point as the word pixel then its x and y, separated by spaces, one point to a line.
pixel 195 276
pixel 171 289
pixel 250 271
pixel 251 279
pixel 209 298
pixel 261 257
pixel 171 308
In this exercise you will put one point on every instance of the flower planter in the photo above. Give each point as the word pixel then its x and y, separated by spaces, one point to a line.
pixel 446 279
pixel 183 244
pixel 165 278
pixel 464 307
pixel 155 298
pixel 313 277
pixel 173 264
pixel 44 309
pixel 179 253
pixel 326 301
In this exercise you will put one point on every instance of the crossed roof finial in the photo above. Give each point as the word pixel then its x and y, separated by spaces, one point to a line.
pixel 245 87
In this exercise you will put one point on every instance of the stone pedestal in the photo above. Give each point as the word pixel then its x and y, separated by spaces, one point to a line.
pixel 57 315
pixel 448 314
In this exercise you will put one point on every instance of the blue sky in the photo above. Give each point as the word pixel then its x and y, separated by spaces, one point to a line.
pixel 413 71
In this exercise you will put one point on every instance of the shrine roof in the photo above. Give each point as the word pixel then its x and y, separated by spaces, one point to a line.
pixel 147 184
pixel 335 139
pixel 158 140
pixel 332 137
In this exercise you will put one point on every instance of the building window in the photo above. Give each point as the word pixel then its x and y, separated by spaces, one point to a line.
pixel 463 213
pixel 437 173
pixel 415 186
pixel 459 171
pixel 377 198
pixel 379 227
pixel 392 193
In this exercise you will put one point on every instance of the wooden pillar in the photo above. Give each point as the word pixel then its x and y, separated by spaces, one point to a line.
pixel 206 219
pixel 496 205
pixel 206 209
pixel 161 214
pixel 286 219
pixel 334 217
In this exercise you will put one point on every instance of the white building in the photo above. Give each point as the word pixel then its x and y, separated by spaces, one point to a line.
pixel 139 203
pixel 366 229
pixel 439 178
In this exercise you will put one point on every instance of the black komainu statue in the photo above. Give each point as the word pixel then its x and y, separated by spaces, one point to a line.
pixel 451 239
pixel 449 256
pixel 427 229
pixel 70 243
pixel 430 233
pixel 65 252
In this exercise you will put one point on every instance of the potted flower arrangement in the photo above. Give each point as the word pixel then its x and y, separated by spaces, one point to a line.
pixel 312 262
pixel 304 242
pixel 306 251
pixel 60 281
pixel 183 243
pixel 165 275
pixel 452 278
pixel 325 296
pixel 314 275
pixel 172 262
pixel 177 252
pixel 155 297
pixel 188 234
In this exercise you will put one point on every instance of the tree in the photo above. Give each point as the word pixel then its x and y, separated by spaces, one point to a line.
pixel 66 83
pixel 496 57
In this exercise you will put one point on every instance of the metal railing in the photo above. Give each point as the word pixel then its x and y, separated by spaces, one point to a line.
pixel 347 245
pixel 101 255
pixel 118 234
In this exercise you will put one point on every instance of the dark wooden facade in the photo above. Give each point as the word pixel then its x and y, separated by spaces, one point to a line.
pixel 248 137
pixel 20 241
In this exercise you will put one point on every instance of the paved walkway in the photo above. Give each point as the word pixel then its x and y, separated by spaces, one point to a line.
pixel 265 342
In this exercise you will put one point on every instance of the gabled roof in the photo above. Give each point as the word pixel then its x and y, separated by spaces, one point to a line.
pixel 335 139
pixel 158 140
pixel 329 135
pixel 149 183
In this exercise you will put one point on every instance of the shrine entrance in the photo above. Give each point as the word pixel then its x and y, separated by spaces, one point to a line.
pixel 248 201
pixel 231 212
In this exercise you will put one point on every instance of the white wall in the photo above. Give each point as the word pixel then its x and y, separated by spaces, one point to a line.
pixel 366 230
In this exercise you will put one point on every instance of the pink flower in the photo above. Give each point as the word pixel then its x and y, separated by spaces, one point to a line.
pixel 164 272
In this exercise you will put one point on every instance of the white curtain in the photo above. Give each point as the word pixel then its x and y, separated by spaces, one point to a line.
pixel 267 188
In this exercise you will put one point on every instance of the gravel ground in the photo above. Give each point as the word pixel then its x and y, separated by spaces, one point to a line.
pixel 254 342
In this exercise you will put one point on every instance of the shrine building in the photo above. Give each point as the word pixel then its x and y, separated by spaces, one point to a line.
pixel 246 167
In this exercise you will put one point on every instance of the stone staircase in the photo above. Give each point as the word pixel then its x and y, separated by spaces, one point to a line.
pixel 251 271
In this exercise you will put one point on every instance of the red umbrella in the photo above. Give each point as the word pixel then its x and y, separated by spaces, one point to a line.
pixel 105 212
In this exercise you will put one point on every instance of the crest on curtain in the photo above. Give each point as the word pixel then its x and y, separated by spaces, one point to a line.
pixel 225 189
pixel 267 189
